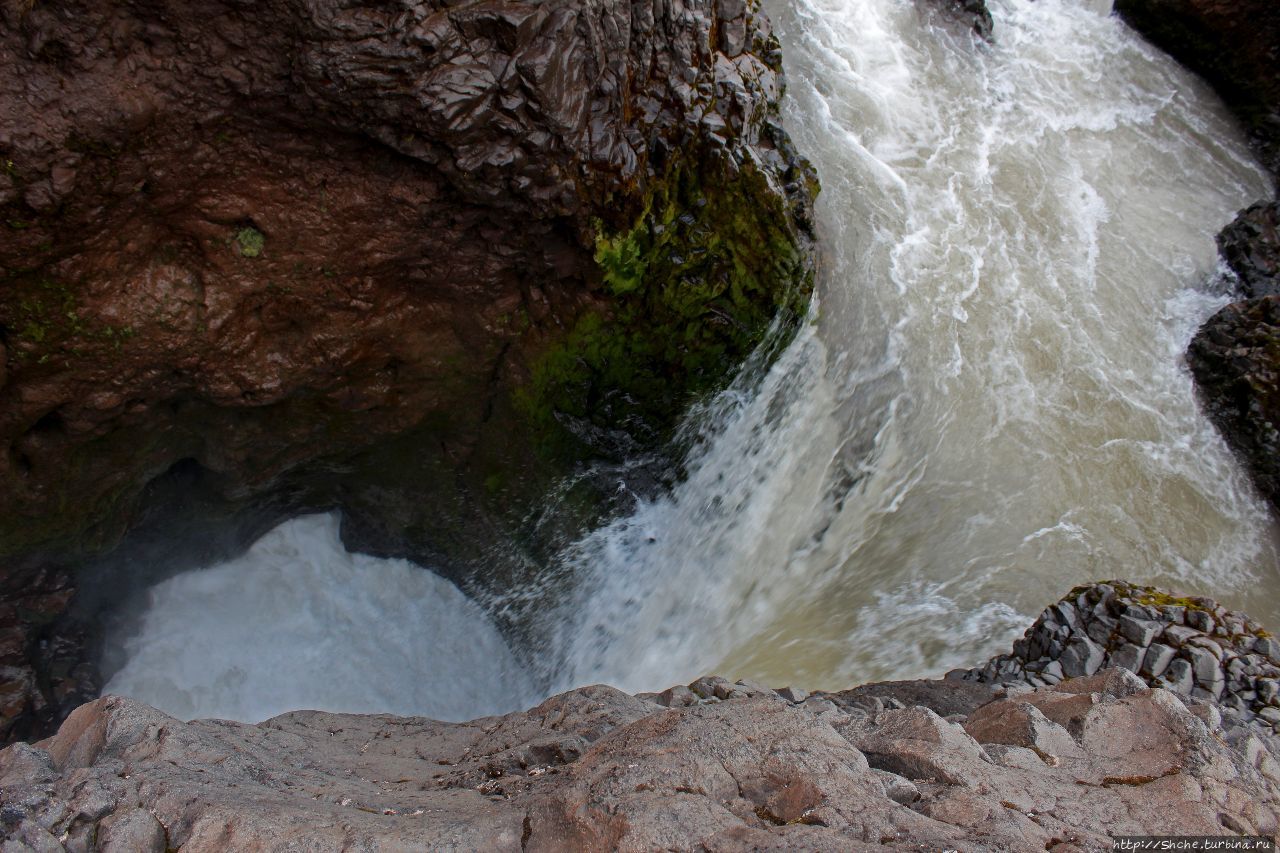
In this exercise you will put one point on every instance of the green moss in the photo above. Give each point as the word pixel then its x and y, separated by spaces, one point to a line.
pixel 45 314
pixel 250 242
pixel 697 278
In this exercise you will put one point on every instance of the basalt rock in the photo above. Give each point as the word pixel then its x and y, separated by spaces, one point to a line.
pixel 1192 646
pixel 1235 359
pixel 415 261
pixel 1250 246
pixel 1233 44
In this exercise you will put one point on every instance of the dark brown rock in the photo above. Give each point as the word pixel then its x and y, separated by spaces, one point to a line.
pixel 1233 44
pixel 1235 359
pixel 1250 245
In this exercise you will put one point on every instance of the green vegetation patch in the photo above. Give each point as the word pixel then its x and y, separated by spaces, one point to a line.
pixel 250 242
pixel 45 320
pixel 696 281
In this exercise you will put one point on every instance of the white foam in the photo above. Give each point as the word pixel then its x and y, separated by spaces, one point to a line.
pixel 297 622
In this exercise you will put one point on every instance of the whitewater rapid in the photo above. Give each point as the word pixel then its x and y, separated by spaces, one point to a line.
pixel 988 406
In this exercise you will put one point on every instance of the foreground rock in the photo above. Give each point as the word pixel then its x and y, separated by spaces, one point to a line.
pixel 414 261
pixel 1059 768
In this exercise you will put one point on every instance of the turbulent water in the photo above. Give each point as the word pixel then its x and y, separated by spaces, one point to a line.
pixel 297 622
pixel 988 407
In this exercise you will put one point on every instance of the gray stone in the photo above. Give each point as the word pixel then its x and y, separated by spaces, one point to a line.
pixel 1177 635
pixel 1129 657
pixel 1140 632
pixel 1200 620
pixel 1101 628
pixel 1267 690
pixel 1081 657
pixel 1067 615
pixel 1173 613
pixel 1179 677
pixel 1052 672
pixel 1271 715
pixel 1157 659
pixel 1204 665
pixel 1269 647
pixel 1206 643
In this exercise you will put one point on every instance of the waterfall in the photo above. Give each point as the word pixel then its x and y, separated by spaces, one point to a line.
pixel 987 406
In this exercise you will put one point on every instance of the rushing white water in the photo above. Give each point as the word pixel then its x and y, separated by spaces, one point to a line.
pixel 297 622
pixel 988 408
pixel 991 407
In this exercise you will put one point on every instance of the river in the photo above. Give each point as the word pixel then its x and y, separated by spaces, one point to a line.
pixel 987 407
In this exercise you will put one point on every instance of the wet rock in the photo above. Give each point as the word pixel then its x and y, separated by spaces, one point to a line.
pixel 1231 45
pixel 373 259
pixel 1233 359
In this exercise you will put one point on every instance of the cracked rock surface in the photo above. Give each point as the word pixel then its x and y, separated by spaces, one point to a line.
pixel 1058 768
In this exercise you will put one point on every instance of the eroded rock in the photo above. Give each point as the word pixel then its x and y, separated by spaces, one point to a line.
pixel 744 772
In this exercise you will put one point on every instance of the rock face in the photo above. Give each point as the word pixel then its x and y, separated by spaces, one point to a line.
pixel 1060 767
pixel 410 260
pixel 1193 647
pixel 1235 359
pixel 256 236
pixel 1232 44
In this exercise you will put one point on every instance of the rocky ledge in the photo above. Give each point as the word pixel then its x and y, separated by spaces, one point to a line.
pixel 944 764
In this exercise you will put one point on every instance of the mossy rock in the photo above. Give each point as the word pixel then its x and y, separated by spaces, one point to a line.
pixel 714 258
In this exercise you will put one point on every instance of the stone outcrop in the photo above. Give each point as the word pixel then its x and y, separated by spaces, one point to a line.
pixel 1232 44
pixel 414 261
pixel 1192 646
pixel 714 766
pixel 1235 355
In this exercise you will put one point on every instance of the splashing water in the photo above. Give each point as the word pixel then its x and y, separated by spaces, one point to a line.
pixel 988 408
pixel 297 622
